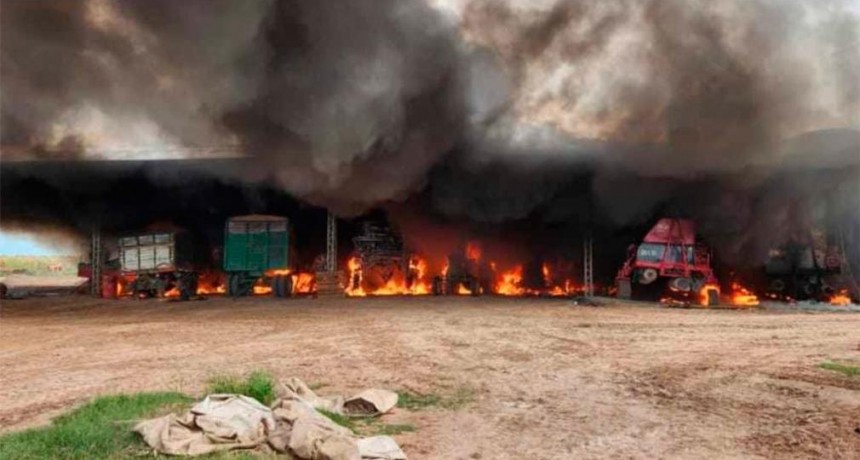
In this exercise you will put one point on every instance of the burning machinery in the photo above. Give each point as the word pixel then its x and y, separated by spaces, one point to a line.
pixel 157 262
pixel 810 268
pixel 380 256
pixel 670 253
pixel 465 273
pixel 257 249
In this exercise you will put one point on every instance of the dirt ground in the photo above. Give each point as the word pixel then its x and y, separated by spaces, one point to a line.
pixel 546 378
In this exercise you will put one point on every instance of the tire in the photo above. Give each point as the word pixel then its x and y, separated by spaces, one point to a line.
pixel 648 276
pixel 277 284
pixel 625 289
pixel 713 298
pixel 287 286
pixel 681 284
pixel 233 286
pixel 777 285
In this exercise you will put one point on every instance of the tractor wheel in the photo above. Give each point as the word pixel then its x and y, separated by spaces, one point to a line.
pixel 777 285
pixel 713 297
pixel 625 289
pixel 648 276
pixel 681 284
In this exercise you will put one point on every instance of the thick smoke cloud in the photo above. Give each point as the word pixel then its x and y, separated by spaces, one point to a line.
pixel 496 110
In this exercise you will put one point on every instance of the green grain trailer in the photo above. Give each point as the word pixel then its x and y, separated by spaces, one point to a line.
pixel 254 245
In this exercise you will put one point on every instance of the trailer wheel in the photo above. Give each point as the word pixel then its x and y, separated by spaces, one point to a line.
pixel 287 286
pixel 277 283
pixel 233 285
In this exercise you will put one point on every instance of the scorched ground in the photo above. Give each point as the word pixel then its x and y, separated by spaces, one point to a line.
pixel 545 378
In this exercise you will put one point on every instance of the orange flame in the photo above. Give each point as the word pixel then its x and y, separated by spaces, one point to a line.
pixel 841 299
pixel 742 297
pixel 396 285
pixel 510 282
pixel 473 251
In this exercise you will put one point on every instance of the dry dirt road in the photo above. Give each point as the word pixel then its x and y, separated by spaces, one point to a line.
pixel 545 379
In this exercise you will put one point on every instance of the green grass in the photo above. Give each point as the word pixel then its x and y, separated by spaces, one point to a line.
pixel 368 426
pixel 849 370
pixel 258 385
pixel 417 401
pixel 98 430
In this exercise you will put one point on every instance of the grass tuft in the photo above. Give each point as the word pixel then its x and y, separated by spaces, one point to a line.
pixel 849 370
pixel 258 385
pixel 98 430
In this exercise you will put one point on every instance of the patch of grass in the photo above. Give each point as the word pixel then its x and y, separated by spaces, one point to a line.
pixel 849 370
pixel 416 401
pixel 100 429
pixel 258 385
pixel 368 426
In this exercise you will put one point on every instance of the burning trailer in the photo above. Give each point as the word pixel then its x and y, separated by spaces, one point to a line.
pixel 257 251
pixel 154 264
pixel 669 257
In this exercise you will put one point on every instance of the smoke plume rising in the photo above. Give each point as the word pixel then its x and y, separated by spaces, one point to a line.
pixel 491 110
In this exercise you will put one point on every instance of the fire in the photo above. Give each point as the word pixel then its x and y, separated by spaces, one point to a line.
pixel 395 285
pixel 510 282
pixel 463 290
pixel 353 285
pixel 304 283
pixel 741 297
pixel 473 251
pixel 704 296
pixel 841 299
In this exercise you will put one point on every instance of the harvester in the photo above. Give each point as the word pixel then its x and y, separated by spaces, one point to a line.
pixel 669 257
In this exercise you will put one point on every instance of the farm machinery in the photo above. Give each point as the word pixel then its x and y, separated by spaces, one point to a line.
pixel 669 256
pixel 810 268
pixel 257 249
pixel 381 264
pixel 155 263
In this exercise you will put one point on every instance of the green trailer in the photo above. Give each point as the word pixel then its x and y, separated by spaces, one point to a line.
pixel 257 247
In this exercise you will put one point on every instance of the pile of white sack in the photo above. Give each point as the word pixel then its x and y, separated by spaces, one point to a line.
pixel 292 426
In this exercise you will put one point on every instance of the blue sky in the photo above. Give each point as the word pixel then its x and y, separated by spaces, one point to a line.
pixel 21 244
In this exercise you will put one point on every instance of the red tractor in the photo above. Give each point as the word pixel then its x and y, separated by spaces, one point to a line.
pixel 669 253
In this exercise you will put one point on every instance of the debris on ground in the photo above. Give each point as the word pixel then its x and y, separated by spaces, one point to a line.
pixel 586 301
pixel 293 425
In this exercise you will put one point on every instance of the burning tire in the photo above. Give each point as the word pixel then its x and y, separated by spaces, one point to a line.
pixel 282 286
pixel 681 284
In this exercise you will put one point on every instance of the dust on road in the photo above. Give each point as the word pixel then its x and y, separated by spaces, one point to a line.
pixel 546 379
